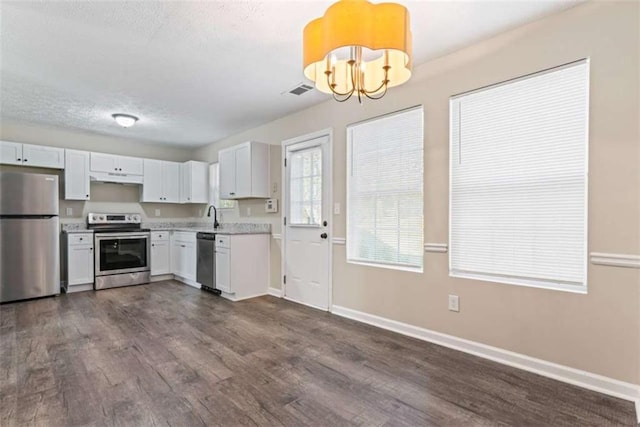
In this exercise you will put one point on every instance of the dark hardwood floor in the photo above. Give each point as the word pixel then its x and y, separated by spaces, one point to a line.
pixel 168 354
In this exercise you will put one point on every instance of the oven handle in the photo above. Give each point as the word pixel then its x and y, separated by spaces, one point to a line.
pixel 110 236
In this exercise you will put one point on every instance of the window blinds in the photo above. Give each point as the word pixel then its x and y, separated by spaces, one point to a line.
pixel 385 199
pixel 519 180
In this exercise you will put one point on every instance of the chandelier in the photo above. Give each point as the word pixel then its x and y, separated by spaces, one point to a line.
pixel 358 48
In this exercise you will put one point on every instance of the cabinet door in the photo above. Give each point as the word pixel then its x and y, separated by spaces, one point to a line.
pixel 76 175
pixel 80 264
pixel 227 168
pixel 199 182
pixel 160 259
pixel 152 181
pixel 104 162
pixel 176 259
pixel 243 171
pixel 185 183
pixel 10 153
pixel 130 165
pixel 190 261
pixel 42 157
pixel 223 261
pixel 170 181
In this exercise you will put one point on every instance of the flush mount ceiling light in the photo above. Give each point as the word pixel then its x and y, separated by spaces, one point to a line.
pixel 125 120
pixel 358 48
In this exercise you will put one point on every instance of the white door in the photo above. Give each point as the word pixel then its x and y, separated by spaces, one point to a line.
pixel 10 153
pixel 152 181
pixel 130 165
pixel 223 269
pixel 160 258
pixel 307 215
pixel 43 157
pixel 104 162
pixel 80 264
pixel 227 173
pixel 170 181
pixel 76 175
pixel 243 171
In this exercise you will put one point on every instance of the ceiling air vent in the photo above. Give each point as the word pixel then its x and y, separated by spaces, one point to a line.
pixel 300 88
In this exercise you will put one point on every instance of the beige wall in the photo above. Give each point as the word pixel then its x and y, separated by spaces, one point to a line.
pixel 598 332
pixel 104 197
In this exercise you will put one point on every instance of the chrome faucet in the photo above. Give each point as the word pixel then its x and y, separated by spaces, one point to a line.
pixel 216 224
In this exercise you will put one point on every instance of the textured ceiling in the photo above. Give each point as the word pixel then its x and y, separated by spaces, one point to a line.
pixel 194 72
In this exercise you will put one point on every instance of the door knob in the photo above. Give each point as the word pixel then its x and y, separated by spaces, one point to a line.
pixel 323 235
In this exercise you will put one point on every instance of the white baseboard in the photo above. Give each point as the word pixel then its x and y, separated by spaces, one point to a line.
pixel 599 383
pixel 275 292
pixel 186 281
pixel 80 288
pixel 161 278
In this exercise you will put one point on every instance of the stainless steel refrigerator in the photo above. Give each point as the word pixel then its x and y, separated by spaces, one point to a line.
pixel 29 236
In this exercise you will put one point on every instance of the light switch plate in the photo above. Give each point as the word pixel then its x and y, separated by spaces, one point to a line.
pixel 69 211
pixel 454 303
pixel 336 208
pixel 157 212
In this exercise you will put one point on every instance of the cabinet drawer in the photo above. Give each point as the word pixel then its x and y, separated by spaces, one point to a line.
pixel 181 236
pixel 223 241
pixel 158 236
pixel 81 239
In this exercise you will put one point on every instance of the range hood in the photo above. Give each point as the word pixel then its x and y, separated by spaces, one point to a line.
pixel 118 178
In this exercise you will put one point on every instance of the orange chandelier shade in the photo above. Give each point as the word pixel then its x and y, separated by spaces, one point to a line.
pixel 358 48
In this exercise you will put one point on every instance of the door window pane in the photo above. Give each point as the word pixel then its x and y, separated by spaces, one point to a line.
pixel 305 187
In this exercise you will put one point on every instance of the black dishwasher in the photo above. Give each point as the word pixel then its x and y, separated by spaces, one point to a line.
pixel 206 267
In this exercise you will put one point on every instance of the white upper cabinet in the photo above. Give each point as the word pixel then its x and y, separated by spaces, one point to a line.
pixel 194 182
pixel 161 182
pixel 15 153
pixel 244 171
pixel 42 156
pixel 10 153
pixel 76 175
pixel 110 163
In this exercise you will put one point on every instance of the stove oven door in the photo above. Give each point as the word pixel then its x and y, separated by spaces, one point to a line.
pixel 118 253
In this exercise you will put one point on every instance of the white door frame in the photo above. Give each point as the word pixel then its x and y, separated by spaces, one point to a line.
pixel 328 132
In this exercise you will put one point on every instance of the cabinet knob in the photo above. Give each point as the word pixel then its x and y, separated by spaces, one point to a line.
pixel 25 160
pixel 152 244
pixel 87 195
pixel 19 159
pixel 90 249
pixel 81 238
pixel 323 235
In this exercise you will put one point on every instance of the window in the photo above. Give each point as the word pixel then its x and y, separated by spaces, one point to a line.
pixel 305 197
pixel 385 179
pixel 519 181
pixel 214 189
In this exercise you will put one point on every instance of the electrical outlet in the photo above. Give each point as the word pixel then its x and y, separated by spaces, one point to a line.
pixel 248 211
pixel 157 212
pixel 69 211
pixel 336 208
pixel 454 303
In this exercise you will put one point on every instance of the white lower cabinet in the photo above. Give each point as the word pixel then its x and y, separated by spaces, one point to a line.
pixel 184 256
pixel 79 261
pixel 242 265
pixel 160 253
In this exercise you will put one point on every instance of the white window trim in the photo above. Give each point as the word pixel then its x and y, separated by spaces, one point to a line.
pixel 532 283
pixel 347 213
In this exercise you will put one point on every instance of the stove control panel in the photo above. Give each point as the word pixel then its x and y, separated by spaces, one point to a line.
pixel 111 218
